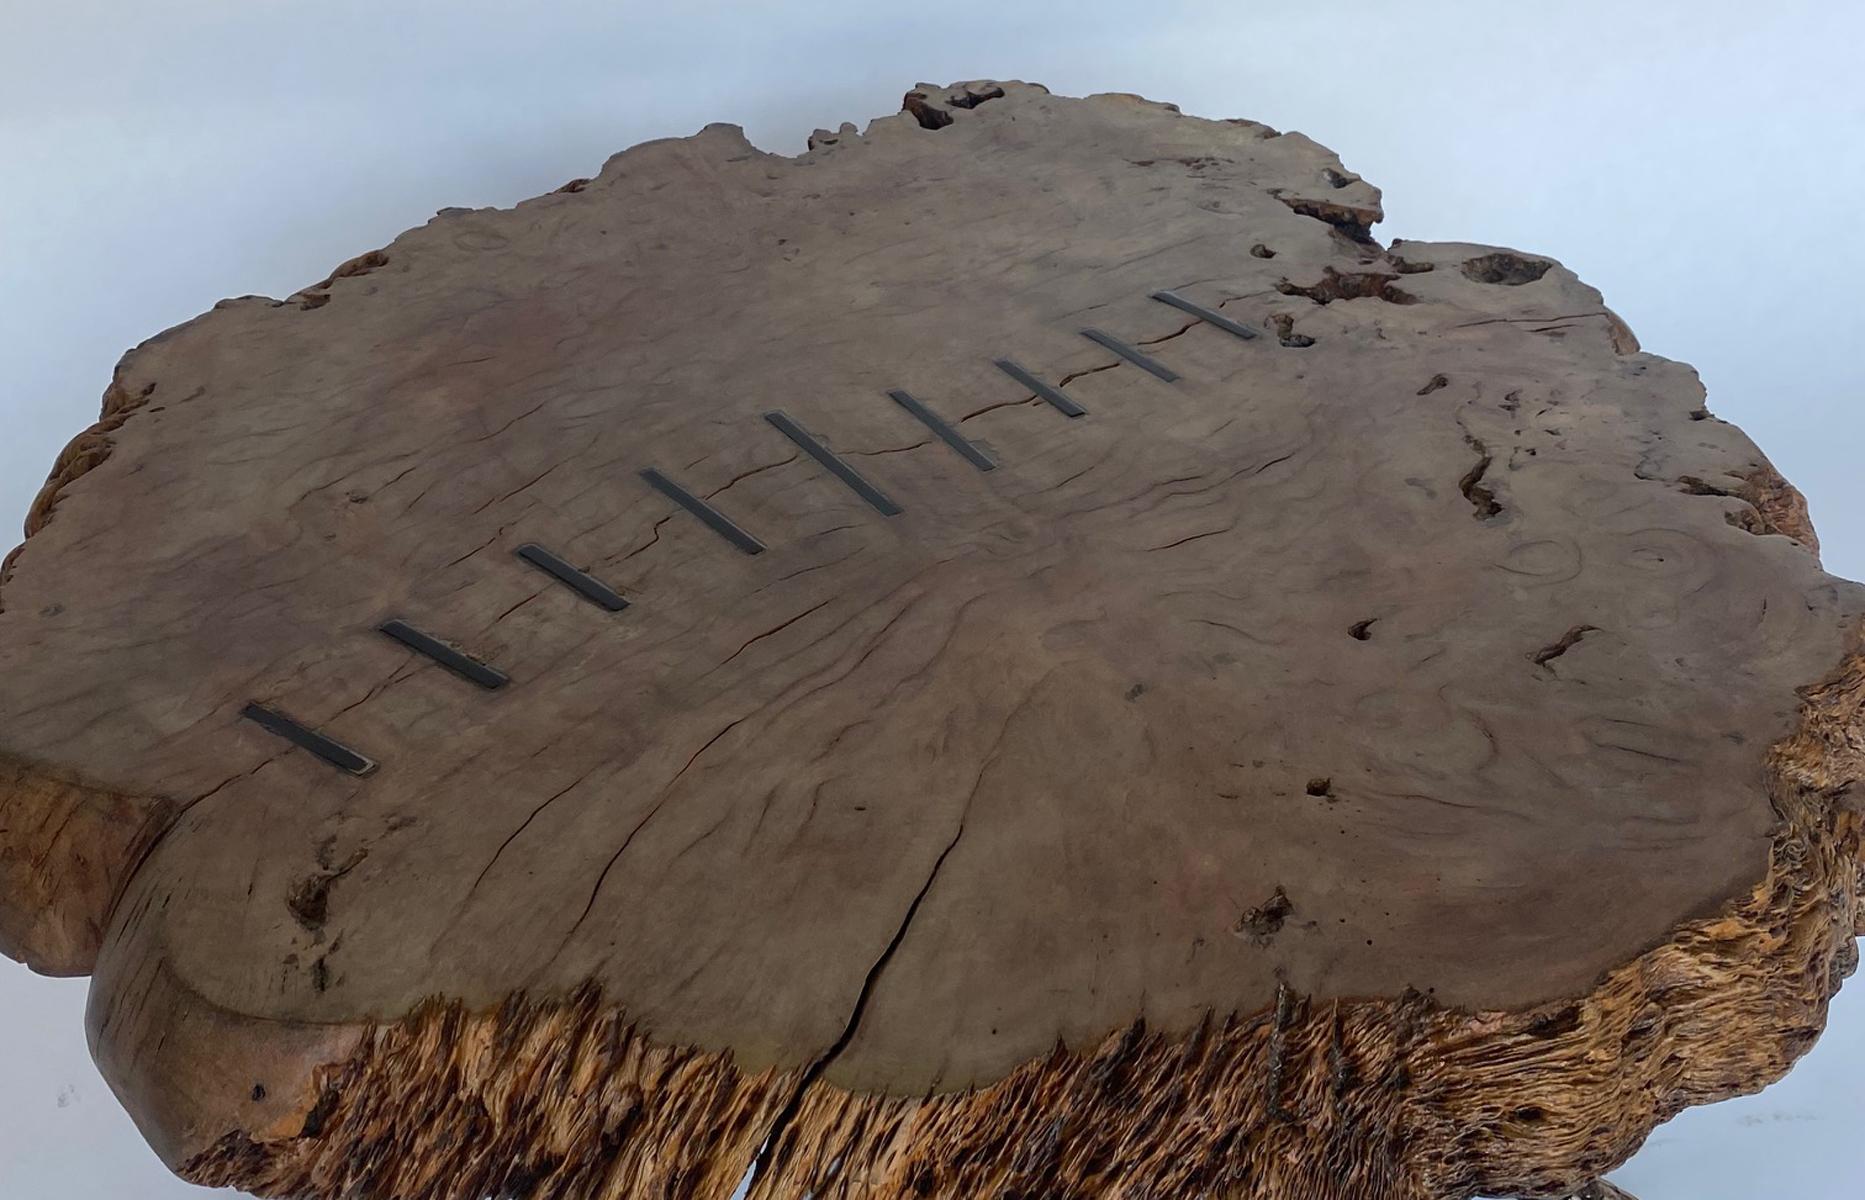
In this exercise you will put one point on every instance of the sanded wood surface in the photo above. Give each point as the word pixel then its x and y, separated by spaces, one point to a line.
pixel 612 621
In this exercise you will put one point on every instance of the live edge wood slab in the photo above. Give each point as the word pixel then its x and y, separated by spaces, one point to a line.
pixel 711 671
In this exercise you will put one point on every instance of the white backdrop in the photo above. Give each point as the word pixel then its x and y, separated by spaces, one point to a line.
pixel 1699 162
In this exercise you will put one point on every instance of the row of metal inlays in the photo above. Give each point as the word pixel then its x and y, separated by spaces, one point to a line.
pixel 606 597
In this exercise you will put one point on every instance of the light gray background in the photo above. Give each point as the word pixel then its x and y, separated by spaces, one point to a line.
pixel 1699 162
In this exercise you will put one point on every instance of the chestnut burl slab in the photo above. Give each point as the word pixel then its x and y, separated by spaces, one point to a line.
pixel 1429 644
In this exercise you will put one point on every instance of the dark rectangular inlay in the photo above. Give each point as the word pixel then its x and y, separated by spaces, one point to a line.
pixel 1209 316
pixel 715 520
pixel 1146 363
pixel 835 466
pixel 945 433
pixel 335 753
pixel 1063 404
pixel 581 582
pixel 460 664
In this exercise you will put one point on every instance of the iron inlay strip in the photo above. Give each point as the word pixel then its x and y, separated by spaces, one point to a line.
pixel 715 520
pixel 460 664
pixel 1145 362
pixel 834 465
pixel 581 582
pixel 333 752
pixel 1209 316
pixel 943 431
pixel 1063 404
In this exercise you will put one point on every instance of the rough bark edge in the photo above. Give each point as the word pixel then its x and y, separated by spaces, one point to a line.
pixel 67 848
pixel 1354 220
pixel 1782 507
pixel 90 448
pixel 1623 340
pixel 1773 505
pixel 80 455
pixel 1388 1099
pixel 87 449
pixel 66 851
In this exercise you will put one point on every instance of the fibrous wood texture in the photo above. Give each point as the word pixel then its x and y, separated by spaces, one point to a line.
pixel 1351 725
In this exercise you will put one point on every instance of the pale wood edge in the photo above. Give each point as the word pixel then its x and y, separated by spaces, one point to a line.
pixel 67 849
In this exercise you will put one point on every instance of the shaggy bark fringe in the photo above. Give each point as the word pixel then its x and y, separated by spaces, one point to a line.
pixel 66 848
pixel 82 453
pixel 1394 1099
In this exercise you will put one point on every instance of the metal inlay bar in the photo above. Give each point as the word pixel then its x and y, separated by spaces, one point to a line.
pixel 581 582
pixel 1209 316
pixel 835 466
pixel 715 520
pixel 1145 362
pixel 335 753
pixel 462 665
pixel 1063 404
pixel 943 431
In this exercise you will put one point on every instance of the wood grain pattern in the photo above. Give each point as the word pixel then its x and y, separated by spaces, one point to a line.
pixel 1438 610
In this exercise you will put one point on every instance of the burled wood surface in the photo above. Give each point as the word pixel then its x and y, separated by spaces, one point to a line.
pixel 1437 611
